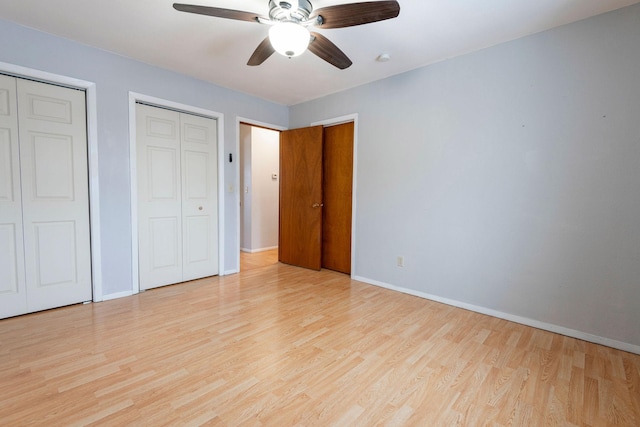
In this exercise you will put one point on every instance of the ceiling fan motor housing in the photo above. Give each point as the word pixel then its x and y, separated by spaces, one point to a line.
pixel 281 10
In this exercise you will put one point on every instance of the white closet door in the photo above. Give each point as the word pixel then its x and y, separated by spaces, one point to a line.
pixel 177 196
pixel 55 194
pixel 13 297
pixel 199 197
pixel 159 196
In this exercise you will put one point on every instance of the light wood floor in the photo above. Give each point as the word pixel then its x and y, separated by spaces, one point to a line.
pixel 249 261
pixel 282 346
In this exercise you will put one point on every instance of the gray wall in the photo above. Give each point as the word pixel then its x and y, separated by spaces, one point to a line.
pixel 508 178
pixel 115 76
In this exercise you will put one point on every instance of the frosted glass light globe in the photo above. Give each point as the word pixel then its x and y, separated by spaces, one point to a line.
pixel 289 39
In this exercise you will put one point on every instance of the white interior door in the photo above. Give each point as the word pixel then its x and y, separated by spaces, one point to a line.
pixel 13 297
pixel 177 196
pixel 55 194
pixel 199 196
pixel 159 196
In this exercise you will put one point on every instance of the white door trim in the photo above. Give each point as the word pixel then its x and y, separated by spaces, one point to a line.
pixel 92 161
pixel 237 178
pixel 219 117
pixel 336 121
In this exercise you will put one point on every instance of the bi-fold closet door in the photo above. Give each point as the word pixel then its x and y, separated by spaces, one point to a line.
pixel 45 258
pixel 177 196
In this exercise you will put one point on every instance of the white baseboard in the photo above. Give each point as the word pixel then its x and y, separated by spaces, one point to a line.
pixel 117 295
pixel 227 272
pixel 631 348
pixel 253 251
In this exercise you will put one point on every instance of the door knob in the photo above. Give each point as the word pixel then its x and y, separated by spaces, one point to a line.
pixel 317 205
pixel 199 208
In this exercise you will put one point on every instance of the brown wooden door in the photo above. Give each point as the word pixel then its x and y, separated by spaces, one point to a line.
pixel 300 237
pixel 337 194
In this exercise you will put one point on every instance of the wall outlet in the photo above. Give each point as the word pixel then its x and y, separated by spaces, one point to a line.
pixel 400 261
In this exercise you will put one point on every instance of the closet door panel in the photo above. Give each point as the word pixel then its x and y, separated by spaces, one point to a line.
pixel 159 196
pixel 55 194
pixel 200 196
pixel 56 253
pixel 177 196
pixel 13 298
pixel 8 158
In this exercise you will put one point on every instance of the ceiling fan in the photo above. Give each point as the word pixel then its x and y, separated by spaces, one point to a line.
pixel 290 21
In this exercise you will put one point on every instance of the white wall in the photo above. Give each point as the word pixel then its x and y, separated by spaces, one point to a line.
pixel 115 76
pixel 508 178
pixel 260 192
pixel 245 184
pixel 265 161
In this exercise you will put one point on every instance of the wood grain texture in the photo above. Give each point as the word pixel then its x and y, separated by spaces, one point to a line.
pixel 337 187
pixel 249 261
pixel 262 53
pixel 351 14
pixel 325 49
pixel 300 234
pixel 285 346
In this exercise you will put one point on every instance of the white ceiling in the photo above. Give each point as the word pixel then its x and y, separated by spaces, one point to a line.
pixel 217 50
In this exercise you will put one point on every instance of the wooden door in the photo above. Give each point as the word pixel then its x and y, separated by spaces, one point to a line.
pixel 13 295
pixel 300 236
pixel 337 190
pixel 55 194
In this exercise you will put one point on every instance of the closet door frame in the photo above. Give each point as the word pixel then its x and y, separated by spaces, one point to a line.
pixel 92 157
pixel 163 103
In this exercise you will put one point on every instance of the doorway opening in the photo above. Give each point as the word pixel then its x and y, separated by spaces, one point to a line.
pixel 259 196
pixel 340 194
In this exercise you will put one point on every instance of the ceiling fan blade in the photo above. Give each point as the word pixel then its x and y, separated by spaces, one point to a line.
pixel 352 14
pixel 262 53
pixel 325 49
pixel 217 12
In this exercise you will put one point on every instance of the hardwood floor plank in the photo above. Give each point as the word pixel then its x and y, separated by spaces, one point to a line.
pixel 250 261
pixel 277 346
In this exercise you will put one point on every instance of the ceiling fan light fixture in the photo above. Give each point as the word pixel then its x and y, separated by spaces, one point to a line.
pixel 289 39
pixel 290 19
